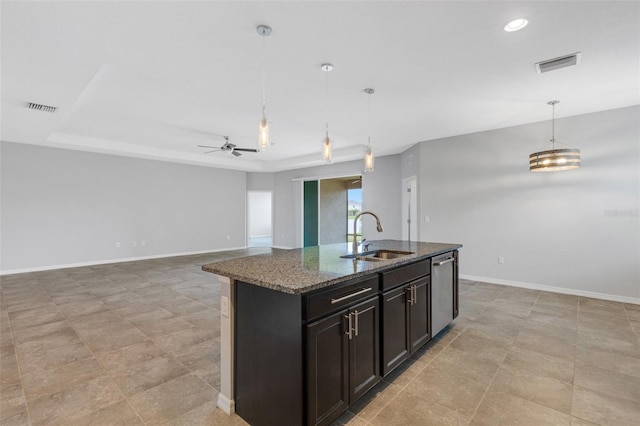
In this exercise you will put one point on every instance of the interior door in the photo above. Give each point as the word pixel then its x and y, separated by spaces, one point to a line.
pixel 410 209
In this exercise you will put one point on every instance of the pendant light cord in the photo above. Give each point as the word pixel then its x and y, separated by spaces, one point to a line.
pixel 327 107
pixel 553 125
pixel 369 118
pixel 264 77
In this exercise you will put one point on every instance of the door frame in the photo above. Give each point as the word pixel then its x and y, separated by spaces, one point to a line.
pixel 298 200
pixel 409 206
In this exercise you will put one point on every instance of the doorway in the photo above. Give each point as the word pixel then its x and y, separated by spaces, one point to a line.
pixel 259 219
pixel 329 206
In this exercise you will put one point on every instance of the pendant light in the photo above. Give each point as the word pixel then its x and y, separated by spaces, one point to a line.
pixel 368 152
pixel 326 142
pixel 264 141
pixel 554 160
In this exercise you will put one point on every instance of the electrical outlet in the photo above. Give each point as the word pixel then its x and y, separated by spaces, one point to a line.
pixel 426 219
pixel 135 244
pixel 224 306
pixel 228 237
pixel 501 260
pixel 143 243
pixel 117 244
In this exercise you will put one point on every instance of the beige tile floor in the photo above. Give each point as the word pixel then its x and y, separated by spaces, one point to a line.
pixel 138 343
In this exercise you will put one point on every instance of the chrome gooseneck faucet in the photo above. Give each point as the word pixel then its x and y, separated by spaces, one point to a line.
pixel 355 222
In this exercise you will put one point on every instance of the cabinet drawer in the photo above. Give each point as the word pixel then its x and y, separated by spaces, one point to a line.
pixel 341 295
pixel 405 273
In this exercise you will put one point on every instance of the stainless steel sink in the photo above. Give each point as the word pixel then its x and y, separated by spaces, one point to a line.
pixel 378 255
pixel 391 254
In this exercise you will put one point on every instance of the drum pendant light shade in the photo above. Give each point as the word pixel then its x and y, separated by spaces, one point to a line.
pixel 554 160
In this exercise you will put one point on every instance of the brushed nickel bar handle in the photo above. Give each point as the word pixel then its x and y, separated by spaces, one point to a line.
pixel 348 333
pixel 355 314
pixel 349 296
pixel 410 296
pixel 444 262
pixel 414 299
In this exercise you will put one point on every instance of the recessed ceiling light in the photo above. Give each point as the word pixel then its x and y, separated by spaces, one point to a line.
pixel 516 24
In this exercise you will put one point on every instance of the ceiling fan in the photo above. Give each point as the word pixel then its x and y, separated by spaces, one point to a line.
pixel 228 147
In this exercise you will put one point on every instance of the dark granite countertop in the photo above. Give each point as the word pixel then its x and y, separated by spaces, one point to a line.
pixel 299 271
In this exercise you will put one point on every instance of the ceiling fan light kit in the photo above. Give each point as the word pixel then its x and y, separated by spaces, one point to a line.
pixel 228 147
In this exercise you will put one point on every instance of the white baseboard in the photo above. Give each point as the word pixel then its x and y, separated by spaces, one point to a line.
pixel 283 247
pixel 583 293
pixel 120 260
pixel 225 404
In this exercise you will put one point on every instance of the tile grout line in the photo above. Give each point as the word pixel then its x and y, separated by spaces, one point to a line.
pixel 15 354
pixel 412 379
pixel 98 361
pixel 484 394
pixel 155 343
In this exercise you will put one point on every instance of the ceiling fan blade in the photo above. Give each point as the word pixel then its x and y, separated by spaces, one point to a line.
pixel 207 146
pixel 237 154
pixel 215 150
pixel 247 149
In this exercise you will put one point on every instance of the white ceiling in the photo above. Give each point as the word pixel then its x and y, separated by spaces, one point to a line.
pixel 156 79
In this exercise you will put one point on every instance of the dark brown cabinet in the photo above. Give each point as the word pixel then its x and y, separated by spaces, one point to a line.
pixel 419 327
pixel 342 360
pixel 405 313
pixel 405 325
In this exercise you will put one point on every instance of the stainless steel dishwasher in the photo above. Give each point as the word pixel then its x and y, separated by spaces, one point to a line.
pixel 443 291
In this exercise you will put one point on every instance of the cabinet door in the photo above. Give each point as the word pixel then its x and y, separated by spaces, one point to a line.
pixel 395 328
pixel 364 348
pixel 420 332
pixel 327 369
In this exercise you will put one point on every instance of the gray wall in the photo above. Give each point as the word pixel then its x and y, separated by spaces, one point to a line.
pixel 333 212
pixel 575 230
pixel 63 207
pixel 380 189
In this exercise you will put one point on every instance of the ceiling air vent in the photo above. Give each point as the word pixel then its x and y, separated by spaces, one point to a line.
pixel 557 63
pixel 40 107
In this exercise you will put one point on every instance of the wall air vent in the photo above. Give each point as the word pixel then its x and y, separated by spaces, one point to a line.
pixel 40 107
pixel 557 63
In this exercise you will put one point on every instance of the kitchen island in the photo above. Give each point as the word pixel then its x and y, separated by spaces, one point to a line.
pixel 306 332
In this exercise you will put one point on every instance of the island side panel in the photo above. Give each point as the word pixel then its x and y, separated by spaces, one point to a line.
pixel 269 382
pixel 225 397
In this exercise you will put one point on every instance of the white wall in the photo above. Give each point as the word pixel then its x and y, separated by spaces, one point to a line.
pixel 380 189
pixel 62 207
pixel 553 229
pixel 259 213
